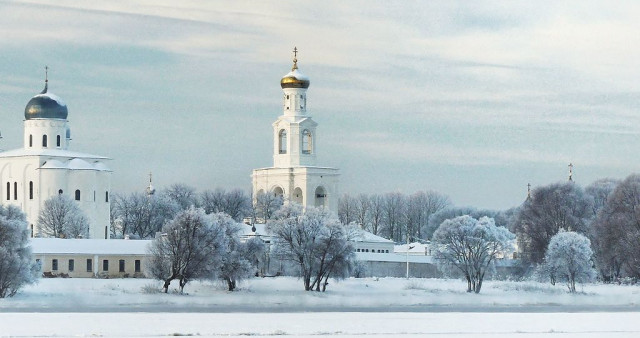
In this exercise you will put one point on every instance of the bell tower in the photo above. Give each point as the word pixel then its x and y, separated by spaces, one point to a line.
pixel 294 174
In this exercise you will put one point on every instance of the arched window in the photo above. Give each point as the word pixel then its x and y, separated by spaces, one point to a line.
pixel 106 196
pixel 44 141
pixel 77 194
pixel 30 141
pixel 307 142
pixel 30 190
pixel 321 197
pixel 15 191
pixel 60 192
pixel 282 141
pixel 58 141
pixel 8 191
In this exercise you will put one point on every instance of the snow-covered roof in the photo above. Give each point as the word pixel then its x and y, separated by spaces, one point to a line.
pixel 51 96
pixel 392 257
pixel 297 75
pixel 365 236
pixel 414 248
pixel 89 246
pixel 49 152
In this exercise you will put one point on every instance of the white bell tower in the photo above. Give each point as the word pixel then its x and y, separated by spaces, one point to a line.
pixel 295 174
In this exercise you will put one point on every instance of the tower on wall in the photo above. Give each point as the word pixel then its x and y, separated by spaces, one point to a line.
pixel 45 167
pixel 295 175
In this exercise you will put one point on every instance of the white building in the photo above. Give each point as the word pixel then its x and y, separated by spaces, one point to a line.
pixel 44 167
pixel 295 175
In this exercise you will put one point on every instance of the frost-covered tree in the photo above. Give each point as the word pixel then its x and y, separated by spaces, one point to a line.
pixel 551 208
pixel 61 217
pixel 255 252
pixel 234 203
pixel 394 211
pixel 363 211
pixel 234 257
pixel 420 207
pixel 191 247
pixel 471 246
pixel 452 212
pixel 140 215
pixel 347 209
pixel 16 266
pixel 266 204
pixel 568 259
pixel 376 214
pixel 316 241
pixel 599 191
pixel 616 231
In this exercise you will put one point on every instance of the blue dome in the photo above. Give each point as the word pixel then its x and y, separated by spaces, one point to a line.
pixel 46 106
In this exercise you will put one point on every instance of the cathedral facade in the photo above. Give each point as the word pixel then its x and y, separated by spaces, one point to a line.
pixel 294 174
pixel 45 167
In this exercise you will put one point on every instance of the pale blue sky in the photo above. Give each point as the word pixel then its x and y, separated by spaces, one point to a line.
pixel 472 100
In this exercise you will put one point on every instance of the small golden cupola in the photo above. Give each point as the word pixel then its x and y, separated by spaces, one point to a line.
pixel 294 79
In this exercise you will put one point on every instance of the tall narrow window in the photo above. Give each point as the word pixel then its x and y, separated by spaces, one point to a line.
pixel 8 191
pixel 94 195
pixel 30 141
pixel 282 141
pixel 31 230
pixel 44 141
pixel 89 265
pixel 121 265
pixel 105 265
pixel 72 265
pixel 106 196
pixel 30 190
pixel 58 141
pixel 137 265
pixel 306 142
pixel 77 194
pixel 54 264
pixel 15 191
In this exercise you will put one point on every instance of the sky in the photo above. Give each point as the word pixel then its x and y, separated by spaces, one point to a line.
pixel 473 100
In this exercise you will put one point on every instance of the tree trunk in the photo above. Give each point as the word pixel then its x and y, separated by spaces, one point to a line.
pixel 167 282
pixel 230 284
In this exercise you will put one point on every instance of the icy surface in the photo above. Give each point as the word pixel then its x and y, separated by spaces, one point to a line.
pixel 53 97
pixel 297 75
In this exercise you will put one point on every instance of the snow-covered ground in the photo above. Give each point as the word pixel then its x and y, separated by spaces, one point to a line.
pixel 355 307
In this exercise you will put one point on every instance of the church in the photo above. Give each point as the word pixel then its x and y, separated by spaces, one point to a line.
pixel 294 175
pixel 45 167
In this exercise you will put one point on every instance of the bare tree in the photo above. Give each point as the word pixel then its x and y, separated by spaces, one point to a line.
pixel 142 216
pixel 347 209
pixel 16 264
pixel 616 231
pixel 266 204
pixel 185 196
pixel 61 217
pixel 471 246
pixel 376 214
pixel 190 248
pixel 363 207
pixel 234 203
pixel 394 209
pixel 318 243
pixel 551 208
pixel 600 191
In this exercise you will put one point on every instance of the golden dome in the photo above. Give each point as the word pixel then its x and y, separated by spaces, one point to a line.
pixel 294 79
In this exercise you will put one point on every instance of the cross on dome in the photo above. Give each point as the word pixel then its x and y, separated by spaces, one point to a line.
pixel 295 58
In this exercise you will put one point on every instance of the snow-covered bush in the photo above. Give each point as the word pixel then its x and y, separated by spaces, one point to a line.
pixel 61 217
pixel 471 246
pixel 234 256
pixel 568 259
pixel 16 266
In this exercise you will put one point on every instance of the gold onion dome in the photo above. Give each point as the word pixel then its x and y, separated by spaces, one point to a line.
pixel 294 79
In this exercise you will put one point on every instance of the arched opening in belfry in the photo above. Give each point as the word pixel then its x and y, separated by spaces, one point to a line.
pixel 321 197
pixel 278 192
pixel 307 142
pixel 297 196
pixel 282 142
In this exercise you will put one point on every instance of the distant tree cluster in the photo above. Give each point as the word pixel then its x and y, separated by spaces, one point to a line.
pixel 61 217
pixel 393 215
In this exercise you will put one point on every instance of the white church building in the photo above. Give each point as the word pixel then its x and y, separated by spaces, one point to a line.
pixel 295 175
pixel 45 167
